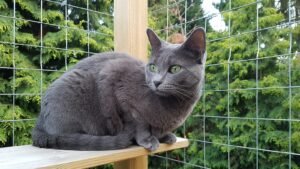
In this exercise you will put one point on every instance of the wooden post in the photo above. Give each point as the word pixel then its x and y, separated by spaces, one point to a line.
pixel 130 24
pixel 134 163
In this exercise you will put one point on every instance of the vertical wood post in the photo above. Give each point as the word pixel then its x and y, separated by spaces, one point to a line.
pixel 130 24
pixel 134 163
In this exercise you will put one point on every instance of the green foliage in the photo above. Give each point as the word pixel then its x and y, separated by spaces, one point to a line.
pixel 17 113
pixel 269 97
pixel 176 17
pixel 3 5
pixel 257 88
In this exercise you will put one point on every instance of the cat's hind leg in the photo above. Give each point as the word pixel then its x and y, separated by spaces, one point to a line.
pixel 108 104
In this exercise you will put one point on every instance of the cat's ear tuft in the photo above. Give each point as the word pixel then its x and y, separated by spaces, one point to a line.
pixel 196 42
pixel 154 40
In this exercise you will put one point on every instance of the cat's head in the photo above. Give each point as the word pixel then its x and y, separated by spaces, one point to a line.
pixel 176 69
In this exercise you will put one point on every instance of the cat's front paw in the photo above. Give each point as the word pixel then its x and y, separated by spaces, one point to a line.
pixel 151 143
pixel 170 138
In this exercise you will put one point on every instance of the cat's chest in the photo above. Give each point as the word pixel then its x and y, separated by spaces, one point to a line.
pixel 166 116
pixel 175 120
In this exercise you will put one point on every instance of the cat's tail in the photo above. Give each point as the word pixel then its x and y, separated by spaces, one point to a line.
pixel 80 141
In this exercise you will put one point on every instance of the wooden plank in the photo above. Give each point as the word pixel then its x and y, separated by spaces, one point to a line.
pixel 140 162
pixel 33 157
pixel 130 24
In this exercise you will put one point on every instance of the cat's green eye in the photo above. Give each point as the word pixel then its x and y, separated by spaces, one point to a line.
pixel 153 68
pixel 174 69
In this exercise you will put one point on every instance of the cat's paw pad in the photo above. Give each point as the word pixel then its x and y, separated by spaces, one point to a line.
pixel 169 139
pixel 151 143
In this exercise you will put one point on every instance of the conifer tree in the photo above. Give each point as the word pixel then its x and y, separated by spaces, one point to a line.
pixel 65 40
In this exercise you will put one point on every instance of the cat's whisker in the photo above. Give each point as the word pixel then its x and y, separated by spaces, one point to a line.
pixel 177 86
pixel 184 86
pixel 181 93
pixel 184 93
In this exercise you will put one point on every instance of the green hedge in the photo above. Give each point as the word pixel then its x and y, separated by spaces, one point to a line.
pixel 257 87
pixel 268 94
pixel 28 57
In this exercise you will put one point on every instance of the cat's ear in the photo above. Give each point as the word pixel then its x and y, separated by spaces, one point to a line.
pixel 154 40
pixel 196 42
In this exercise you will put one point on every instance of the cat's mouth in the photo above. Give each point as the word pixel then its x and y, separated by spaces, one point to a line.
pixel 165 91
pixel 161 92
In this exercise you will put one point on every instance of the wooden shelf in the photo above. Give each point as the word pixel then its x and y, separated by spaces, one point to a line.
pixel 33 157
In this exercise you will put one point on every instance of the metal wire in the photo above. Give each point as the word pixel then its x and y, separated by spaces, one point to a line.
pixel 65 3
pixel 13 44
pixel 14 72
pixel 66 35
pixel 33 69
pixel 88 26
pixel 48 47
pixel 290 88
pixel 178 161
pixel 257 85
pixel 226 66
pixel 169 26
pixel 228 87
pixel 167 32
pixel 244 147
pixel 246 118
pixel 207 16
pixel 59 26
pixel 41 53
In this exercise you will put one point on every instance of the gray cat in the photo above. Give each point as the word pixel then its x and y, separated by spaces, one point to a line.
pixel 111 100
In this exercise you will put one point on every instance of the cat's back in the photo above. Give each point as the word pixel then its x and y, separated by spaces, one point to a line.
pixel 81 80
pixel 98 61
pixel 92 66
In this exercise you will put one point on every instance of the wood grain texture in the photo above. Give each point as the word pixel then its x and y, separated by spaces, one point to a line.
pixel 140 162
pixel 130 24
pixel 33 157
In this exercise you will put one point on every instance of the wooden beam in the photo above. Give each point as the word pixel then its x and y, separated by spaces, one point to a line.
pixel 32 157
pixel 140 162
pixel 130 24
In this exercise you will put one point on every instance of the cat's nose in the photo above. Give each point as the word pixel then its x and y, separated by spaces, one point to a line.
pixel 157 83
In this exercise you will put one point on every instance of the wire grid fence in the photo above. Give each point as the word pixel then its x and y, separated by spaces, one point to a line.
pixel 201 118
pixel 230 147
pixel 40 40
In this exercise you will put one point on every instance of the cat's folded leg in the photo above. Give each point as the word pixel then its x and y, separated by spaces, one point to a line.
pixel 113 121
pixel 163 136
pixel 145 139
pixel 169 138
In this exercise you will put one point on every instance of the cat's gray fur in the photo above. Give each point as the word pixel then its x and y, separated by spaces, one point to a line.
pixel 110 101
